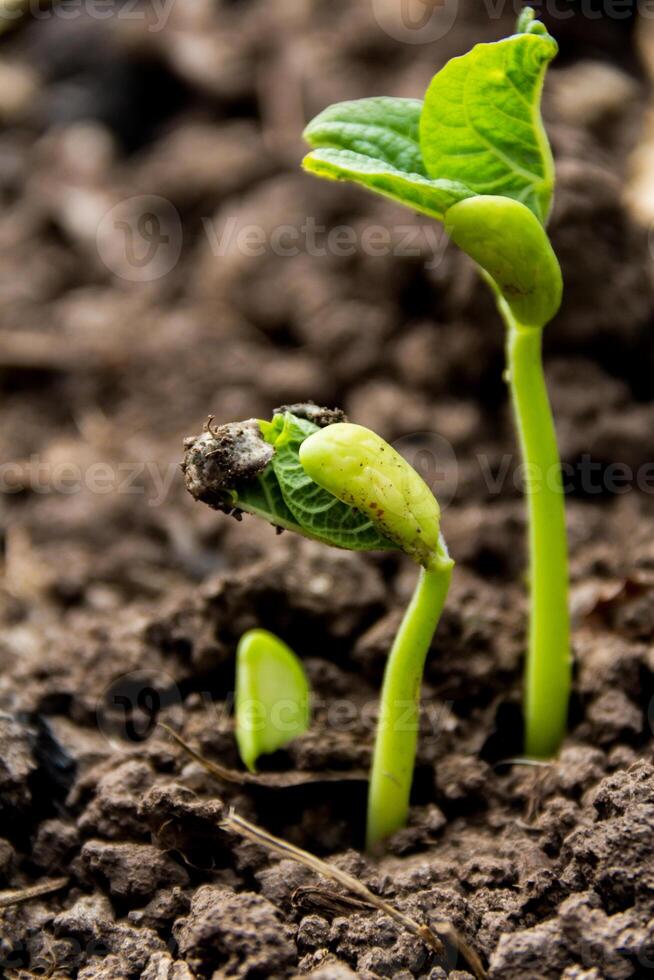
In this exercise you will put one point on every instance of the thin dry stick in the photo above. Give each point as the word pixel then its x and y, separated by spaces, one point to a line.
pixel 284 780
pixel 239 825
pixel 227 775
pixel 35 891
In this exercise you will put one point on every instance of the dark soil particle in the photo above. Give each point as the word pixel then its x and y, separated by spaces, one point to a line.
pixel 121 607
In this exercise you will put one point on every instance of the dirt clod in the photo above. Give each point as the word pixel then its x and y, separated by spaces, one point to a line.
pixel 219 459
pixel 242 935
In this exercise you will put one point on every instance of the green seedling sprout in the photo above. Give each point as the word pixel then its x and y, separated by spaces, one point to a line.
pixel 362 470
pixel 474 154
pixel 272 696
pixel 310 471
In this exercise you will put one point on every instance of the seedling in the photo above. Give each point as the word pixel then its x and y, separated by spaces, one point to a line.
pixel 362 470
pixel 310 471
pixel 272 696
pixel 474 154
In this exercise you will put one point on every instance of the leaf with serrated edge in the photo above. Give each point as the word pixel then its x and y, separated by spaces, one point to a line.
pixel 481 122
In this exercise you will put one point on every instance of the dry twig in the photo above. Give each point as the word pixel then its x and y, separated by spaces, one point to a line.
pixel 271 780
pixel 18 895
pixel 236 824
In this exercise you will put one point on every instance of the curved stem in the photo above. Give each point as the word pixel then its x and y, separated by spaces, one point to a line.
pixel 399 716
pixel 548 672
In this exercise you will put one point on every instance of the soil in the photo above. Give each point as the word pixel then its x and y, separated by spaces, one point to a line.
pixel 121 599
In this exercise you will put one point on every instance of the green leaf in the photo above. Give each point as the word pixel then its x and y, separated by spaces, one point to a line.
pixel 376 143
pixel 430 197
pixel 317 512
pixel 481 122
pixel 385 129
pixel 509 243
pixel 272 696
pixel 263 498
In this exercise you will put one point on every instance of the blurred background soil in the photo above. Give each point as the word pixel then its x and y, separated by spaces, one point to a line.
pixel 162 256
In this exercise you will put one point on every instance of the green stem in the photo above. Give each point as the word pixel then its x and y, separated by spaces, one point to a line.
pixel 548 670
pixel 399 716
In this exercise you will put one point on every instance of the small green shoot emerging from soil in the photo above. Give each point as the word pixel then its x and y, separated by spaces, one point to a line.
pixel 311 471
pixel 272 696
pixel 474 154
pixel 362 470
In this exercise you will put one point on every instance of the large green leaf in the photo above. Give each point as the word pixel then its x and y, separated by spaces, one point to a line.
pixel 481 122
pixel 376 143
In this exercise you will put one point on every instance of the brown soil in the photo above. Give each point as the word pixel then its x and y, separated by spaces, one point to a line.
pixel 122 607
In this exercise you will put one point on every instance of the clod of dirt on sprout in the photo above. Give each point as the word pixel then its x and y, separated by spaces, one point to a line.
pixel 219 458
pixel 474 154
pixel 272 704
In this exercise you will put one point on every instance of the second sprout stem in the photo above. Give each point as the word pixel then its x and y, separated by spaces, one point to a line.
pixel 548 670
pixel 397 732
